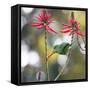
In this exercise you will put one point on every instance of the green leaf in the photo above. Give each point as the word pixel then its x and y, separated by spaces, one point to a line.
pixel 62 48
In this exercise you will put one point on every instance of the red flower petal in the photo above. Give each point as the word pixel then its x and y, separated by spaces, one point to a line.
pixel 50 29
pixel 50 21
pixel 43 14
pixel 48 16
pixel 72 21
pixel 78 25
pixel 66 26
pixel 43 17
pixel 39 18
pixel 79 33
pixel 41 26
pixel 71 33
pixel 37 24
pixel 65 31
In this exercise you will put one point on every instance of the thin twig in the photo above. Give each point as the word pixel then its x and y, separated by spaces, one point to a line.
pixel 83 40
pixel 63 68
pixel 79 44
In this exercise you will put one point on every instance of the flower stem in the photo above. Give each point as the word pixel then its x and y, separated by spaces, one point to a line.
pixel 79 44
pixel 47 68
pixel 47 71
pixel 83 40
pixel 65 65
pixel 63 68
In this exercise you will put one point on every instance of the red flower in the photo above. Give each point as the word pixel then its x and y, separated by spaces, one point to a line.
pixel 72 28
pixel 44 21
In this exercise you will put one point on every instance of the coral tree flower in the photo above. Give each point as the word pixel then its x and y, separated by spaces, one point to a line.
pixel 72 28
pixel 44 20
